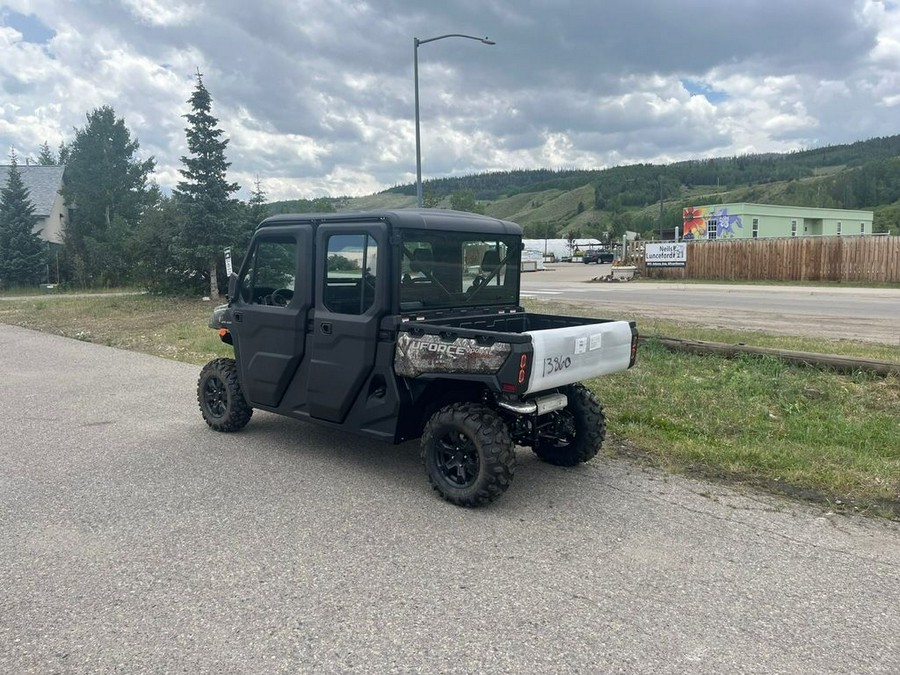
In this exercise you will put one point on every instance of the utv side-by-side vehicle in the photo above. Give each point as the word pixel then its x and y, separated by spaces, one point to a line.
pixel 406 324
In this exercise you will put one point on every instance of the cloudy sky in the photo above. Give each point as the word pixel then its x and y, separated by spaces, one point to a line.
pixel 317 95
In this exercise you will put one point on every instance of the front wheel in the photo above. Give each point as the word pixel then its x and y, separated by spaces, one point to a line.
pixel 219 394
pixel 574 434
pixel 468 454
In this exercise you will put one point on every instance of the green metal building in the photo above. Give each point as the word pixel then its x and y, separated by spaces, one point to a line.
pixel 752 221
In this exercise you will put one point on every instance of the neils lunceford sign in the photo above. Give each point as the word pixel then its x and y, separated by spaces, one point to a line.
pixel 665 255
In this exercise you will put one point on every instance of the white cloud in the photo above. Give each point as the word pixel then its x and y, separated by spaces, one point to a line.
pixel 876 14
pixel 317 98
pixel 167 13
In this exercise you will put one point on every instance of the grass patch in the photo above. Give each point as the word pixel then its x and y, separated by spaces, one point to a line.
pixel 649 326
pixel 867 350
pixel 20 292
pixel 820 435
pixel 803 432
pixel 172 328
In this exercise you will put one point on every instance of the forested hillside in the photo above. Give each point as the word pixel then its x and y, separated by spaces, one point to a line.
pixel 863 175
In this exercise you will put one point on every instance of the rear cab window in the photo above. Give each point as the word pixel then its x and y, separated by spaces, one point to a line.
pixel 441 269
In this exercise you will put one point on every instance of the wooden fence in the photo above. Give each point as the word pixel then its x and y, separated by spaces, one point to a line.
pixel 794 259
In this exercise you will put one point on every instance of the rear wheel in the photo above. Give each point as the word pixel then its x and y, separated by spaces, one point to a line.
pixel 468 454
pixel 574 434
pixel 219 394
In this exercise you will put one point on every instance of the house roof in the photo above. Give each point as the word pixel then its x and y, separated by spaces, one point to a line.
pixel 43 183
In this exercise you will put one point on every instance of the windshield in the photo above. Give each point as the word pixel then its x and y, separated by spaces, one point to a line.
pixel 454 269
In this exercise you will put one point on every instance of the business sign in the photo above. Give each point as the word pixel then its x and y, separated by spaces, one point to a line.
pixel 665 255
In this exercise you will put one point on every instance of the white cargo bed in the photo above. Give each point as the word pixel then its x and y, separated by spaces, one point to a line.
pixel 576 353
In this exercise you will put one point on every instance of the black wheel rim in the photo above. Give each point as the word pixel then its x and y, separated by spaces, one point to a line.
pixel 457 459
pixel 215 397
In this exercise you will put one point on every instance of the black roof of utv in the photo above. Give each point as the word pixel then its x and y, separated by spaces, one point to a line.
pixel 407 219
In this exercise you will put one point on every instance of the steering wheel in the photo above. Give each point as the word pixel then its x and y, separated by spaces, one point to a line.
pixel 281 297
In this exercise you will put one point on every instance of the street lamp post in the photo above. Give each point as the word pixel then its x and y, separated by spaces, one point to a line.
pixel 416 43
pixel 659 178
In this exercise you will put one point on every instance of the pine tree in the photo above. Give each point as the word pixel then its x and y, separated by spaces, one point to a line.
pixel 255 210
pixel 205 191
pixel 258 208
pixel 46 158
pixel 106 188
pixel 22 253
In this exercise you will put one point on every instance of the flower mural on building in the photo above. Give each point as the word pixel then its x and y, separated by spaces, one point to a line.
pixel 701 220
pixel 694 222
pixel 725 223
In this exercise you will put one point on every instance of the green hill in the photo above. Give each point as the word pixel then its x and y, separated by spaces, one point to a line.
pixel 863 175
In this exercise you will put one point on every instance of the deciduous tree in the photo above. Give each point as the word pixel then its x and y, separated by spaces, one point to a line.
pixel 464 200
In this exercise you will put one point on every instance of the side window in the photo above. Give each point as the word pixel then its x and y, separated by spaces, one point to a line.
pixel 270 278
pixel 351 262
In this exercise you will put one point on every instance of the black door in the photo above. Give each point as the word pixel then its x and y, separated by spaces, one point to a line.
pixel 270 313
pixel 349 305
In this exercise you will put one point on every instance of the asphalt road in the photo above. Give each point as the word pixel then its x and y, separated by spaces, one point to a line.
pixel 867 314
pixel 133 539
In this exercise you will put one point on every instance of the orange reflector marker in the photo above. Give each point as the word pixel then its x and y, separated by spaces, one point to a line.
pixel 223 332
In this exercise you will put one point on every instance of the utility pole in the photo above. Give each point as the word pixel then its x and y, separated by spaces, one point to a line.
pixel 659 178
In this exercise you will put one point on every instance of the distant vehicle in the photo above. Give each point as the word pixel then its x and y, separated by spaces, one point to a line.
pixel 595 255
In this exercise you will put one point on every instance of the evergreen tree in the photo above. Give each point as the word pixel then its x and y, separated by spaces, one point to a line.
pixel 46 158
pixel 254 211
pixel 157 252
pixel 106 191
pixel 22 253
pixel 62 154
pixel 258 209
pixel 211 211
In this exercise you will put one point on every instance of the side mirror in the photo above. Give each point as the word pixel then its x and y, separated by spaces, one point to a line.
pixel 232 286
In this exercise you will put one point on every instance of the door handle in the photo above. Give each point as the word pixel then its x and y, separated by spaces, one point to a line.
pixel 238 316
pixel 326 327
